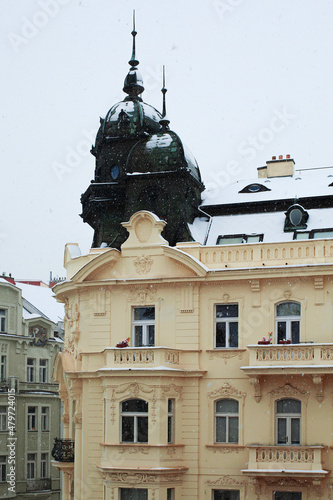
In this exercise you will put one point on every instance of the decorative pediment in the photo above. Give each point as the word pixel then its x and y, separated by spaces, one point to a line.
pixel 287 391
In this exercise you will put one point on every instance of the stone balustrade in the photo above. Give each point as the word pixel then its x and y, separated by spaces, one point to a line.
pixel 275 355
pixel 305 458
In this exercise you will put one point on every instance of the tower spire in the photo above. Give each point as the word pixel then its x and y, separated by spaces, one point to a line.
pixel 133 84
pixel 164 120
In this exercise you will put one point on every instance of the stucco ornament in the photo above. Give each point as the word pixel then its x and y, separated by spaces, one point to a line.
pixel 143 264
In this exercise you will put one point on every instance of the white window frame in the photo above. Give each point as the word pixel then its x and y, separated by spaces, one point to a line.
pixel 145 327
pixel 3 320
pixel 3 417
pixel 43 370
pixel 227 416
pixel 31 465
pixel 45 419
pixel 226 320
pixel 288 417
pixel 288 320
pixel 44 465
pixel 3 367
pixel 32 418
pixel 31 370
pixel 3 468
pixel 135 415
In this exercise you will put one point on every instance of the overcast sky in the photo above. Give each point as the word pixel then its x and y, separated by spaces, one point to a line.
pixel 246 79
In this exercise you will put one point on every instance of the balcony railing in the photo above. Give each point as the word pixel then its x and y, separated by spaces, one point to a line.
pixel 296 459
pixel 63 450
pixel 38 485
pixel 267 357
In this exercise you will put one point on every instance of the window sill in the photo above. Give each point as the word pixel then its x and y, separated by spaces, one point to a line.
pixel 143 445
pixel 223 349
pixel 225 447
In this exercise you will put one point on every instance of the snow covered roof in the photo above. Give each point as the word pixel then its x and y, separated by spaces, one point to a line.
pixel 258 207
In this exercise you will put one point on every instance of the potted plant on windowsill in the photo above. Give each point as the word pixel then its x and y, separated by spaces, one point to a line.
pixel 266 341
pixel 284 341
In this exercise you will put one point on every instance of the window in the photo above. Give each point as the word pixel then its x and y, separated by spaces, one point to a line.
pixel 254 188
pixel 226 325
pixel 3 367
pixel 235 239
pixel 31 370
pixel 226 495
pixel 43 370
pixel 3 418
pixel 144 326
pixel 171 494
pixel 288 318
pixel 44 459
pixel 226 421
pixel 134 421
pixel 45 419
pixel 32 418
pixel 296 218
pixel 3 472
pixel 133 494
pixel 171 406
pixel 287 495
pixel 288 421
pixel 2 320
pixel 31 465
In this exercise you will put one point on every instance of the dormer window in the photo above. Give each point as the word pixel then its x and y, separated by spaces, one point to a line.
pixel 254 188
pixel 236 239
pixel 296 218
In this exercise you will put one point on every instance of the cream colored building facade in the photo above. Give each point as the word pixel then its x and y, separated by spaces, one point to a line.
pixel 195 408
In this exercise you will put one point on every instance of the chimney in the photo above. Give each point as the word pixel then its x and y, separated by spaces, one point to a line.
pixel 8 278
pixel 283 167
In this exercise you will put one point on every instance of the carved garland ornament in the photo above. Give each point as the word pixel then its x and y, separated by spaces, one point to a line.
pixel 227 390
pixel 287 391
pixel 133 390
pixel 224 481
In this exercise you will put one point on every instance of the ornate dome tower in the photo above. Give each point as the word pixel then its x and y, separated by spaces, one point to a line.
pixel 140 165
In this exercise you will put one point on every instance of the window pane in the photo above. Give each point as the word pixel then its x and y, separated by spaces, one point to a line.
pixel 230 241
pixel 287 495
pixel 323 234
pixel 135 405
pixel 138 336
pixel 133 494
pixel 288 406
pixel 151 335
pixel 226 495
pixel 254 239
pixel 282 431
pixel 295 332
pixel 127 429
pixel 227 406
pixel 233 429
pixel 233 334
pixel 144 313
pixel 302 236
pixel 288 309
pixel 227 311
pixel 295 431
pixel 281 330
pixel 220 334
pixel 221 429
pixel 142 429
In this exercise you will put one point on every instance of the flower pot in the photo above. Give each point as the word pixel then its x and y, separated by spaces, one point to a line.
pixel 284 341
pixel 264 342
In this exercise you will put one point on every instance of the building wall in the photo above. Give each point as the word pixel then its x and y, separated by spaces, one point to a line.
pixel 185 366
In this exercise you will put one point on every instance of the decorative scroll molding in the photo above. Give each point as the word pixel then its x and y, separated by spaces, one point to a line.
pixel 288 391
pixel 224 449
pixel 133 390
pixel 224 481
pixel 143 264
pixel 136 478
pixel 134 450
pixel 143 295
pixel 227 390
pixel 172 390
pixel 186 300
pixel 226 354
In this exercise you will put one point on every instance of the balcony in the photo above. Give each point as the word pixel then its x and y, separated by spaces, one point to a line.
pixel 142 358
pixel 273 359
pixel 295 461
pixel 63 450
pixel 38 485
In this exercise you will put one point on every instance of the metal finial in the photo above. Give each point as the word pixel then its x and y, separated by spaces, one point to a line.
pixel 164 91
pixel 164 121
pixel 133 61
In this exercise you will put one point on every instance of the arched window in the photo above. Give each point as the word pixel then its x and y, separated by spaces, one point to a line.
pixel 226 421
pixel 134 421
pixel 288 319
pixel 288 421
